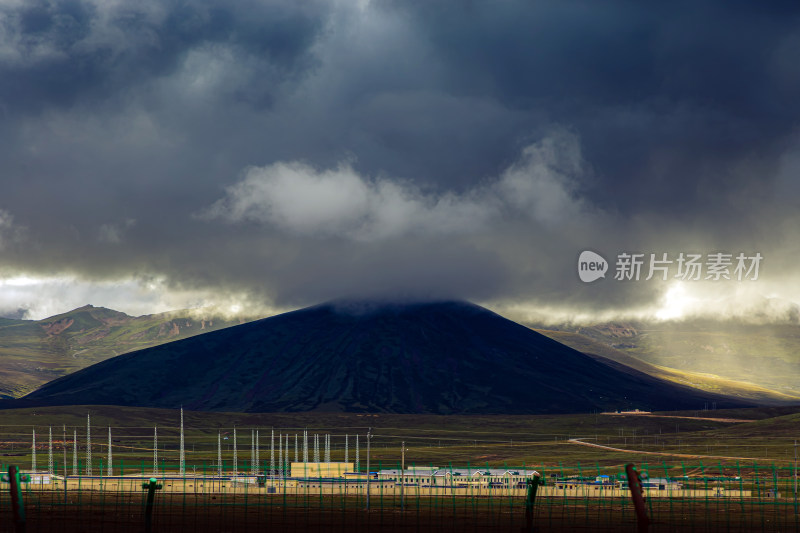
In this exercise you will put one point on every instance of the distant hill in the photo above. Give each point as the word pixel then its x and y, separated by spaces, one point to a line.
pixel 702 381
pixel 33 352
pixel 749 360
pixel 448 357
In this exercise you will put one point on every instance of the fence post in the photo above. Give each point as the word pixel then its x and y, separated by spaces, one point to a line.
pixel 14 478
pixel 795 480
pixel 533 487
pixel 152 486
pixel 637 495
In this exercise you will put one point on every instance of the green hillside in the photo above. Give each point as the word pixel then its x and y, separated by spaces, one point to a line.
pixel 35 352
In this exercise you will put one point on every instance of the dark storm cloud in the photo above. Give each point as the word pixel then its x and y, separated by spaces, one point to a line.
pixel 297 151
pixel 666 97
pixel 79 52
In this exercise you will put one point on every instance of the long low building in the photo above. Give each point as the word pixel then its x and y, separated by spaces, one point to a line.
pixel 432 482
pixel 457 476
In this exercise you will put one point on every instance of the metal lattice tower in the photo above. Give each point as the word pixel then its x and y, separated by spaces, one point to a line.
pixel 316 447
pixel 235 456
pixel 50 452
pixel 346 450
pixel 182 454
pixel 258 459
pixel 296 450
pixel 88 445
pixel 219 453
pixel 280 455
pixel 75 453
pixel 288 468
pixel 358 456
pixel 33 452
pixel 305 445
pixel 272 453
pixel 327 448
pixel 64 449
pixel 155 450
pixel 252 451
pixel 110 458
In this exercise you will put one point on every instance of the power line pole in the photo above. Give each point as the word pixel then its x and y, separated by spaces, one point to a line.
pixel 235 456
pixel 110 469
pixel 252 452
pixel 272 453
pixel 75 452
pixel 280 455
pixel 33 451
pixel 50 452
pixel 88 445
pixel 182 454
pixel 64 449
pixel 369 436
pixel 219 453
pixel 402 475
pixel 155 450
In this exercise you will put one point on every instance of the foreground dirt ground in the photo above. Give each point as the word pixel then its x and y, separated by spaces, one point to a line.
pixel 98 512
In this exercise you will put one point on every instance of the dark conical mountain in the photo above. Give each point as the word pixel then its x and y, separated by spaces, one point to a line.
pixel 447 357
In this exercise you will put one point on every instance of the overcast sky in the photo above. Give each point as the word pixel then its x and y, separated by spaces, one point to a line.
pixel 265 155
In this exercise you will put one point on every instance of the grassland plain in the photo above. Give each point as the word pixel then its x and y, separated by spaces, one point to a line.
pixel 762 435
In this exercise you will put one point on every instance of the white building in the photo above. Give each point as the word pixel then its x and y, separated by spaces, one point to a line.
pixel 458 477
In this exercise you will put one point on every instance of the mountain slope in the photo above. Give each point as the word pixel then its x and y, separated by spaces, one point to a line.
pixel 765 355
pixel 35 352
pixel 703 381
pixel 450 357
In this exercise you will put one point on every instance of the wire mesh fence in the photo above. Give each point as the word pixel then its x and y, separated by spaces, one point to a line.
pixel 290 496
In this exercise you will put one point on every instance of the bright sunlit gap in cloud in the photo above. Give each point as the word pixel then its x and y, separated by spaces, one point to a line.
pixel 35 298
pixel 725 301
pixel 680 300
pixel 19 281
pixel 676 302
